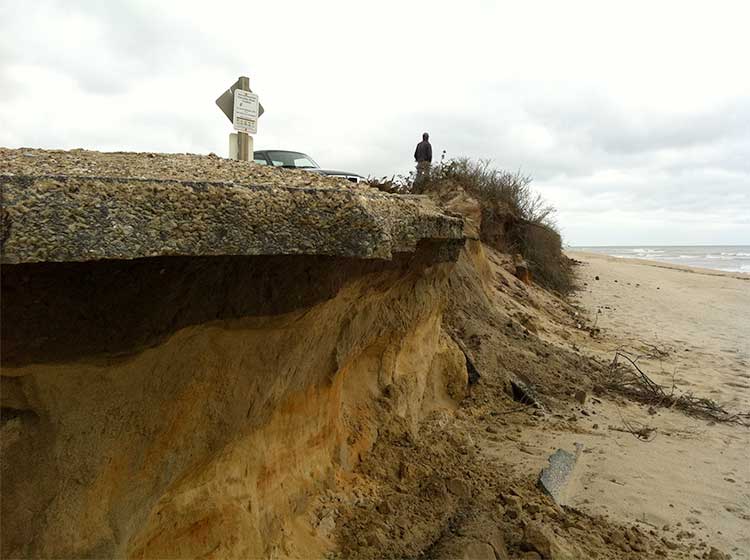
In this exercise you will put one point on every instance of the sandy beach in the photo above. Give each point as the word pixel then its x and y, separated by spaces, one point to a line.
pixel 701 316
pixel 694 477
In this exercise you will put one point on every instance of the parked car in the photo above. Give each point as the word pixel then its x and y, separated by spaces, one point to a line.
pixel 298 160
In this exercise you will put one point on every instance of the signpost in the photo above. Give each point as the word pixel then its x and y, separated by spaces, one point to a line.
pixel 242 108
pixel 245 117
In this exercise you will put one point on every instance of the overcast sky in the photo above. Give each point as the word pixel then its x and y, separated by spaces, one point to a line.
pixel 632 117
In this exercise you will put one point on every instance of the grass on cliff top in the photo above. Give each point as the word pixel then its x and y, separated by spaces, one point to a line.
pixel 515 218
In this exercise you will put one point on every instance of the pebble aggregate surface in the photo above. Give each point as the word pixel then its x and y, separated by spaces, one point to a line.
pixel 78 205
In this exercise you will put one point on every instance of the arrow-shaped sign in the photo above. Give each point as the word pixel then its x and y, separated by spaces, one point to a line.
pixel 226 102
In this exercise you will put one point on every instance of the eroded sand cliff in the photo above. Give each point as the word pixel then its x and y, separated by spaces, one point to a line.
pixel 187 365
pixel 205 358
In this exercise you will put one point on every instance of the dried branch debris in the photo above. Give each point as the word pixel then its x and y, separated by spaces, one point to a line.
pixel 628 378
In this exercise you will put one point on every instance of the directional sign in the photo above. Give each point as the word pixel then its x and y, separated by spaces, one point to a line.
pixel 245 115
pixel 226 102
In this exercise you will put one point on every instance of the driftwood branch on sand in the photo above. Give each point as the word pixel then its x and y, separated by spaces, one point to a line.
pixel 628 378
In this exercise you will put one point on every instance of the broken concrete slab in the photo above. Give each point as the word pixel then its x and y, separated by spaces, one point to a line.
pixel 65 219
pixel 62 213
pixel 555 478
pixel 524 393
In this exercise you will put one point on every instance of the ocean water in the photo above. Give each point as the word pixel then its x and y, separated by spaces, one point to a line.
pixel 731 258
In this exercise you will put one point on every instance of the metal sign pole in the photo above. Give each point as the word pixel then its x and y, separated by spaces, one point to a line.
pixel 242 108
pixel 245 141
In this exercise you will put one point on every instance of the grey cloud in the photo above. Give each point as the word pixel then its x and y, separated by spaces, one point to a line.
pixel 9 88
pixel 577 142
pixel 133 41
pixel 642 183
pixel 597 121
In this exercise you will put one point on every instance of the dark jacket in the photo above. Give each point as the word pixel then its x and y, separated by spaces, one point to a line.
pixel 423 151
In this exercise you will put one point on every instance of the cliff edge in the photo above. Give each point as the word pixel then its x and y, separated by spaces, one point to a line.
pixel 195 348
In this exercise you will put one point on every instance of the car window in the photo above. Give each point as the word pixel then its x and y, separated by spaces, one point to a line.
pixel 304 162
pixel 260 160
pixel 291 159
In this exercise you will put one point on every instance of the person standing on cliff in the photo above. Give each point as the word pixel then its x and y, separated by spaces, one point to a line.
pixel 423 157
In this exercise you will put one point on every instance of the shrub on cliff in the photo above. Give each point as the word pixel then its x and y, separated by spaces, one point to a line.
pixel 497 190
pixel 515 218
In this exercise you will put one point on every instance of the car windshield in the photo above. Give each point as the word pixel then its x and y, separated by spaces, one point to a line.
pixel 291 159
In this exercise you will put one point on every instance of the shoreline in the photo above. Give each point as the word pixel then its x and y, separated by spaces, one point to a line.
pixel 657 264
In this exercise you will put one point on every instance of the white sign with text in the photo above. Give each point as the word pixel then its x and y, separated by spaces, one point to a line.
pixel 245 118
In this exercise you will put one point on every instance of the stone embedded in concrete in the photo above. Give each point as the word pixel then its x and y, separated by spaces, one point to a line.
pixel 555 478
pixel 67 219
pixel 85 206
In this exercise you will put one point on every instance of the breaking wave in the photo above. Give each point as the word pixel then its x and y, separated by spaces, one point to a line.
pixel 726 258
